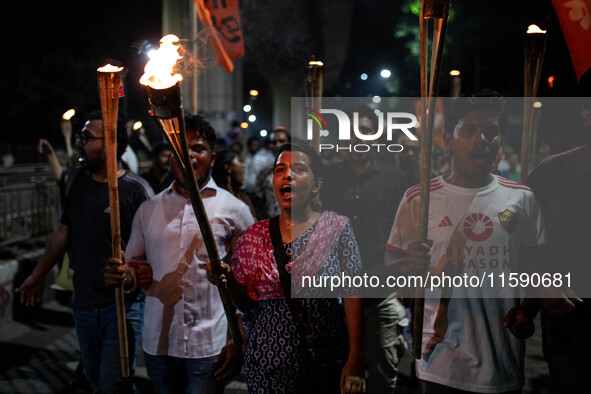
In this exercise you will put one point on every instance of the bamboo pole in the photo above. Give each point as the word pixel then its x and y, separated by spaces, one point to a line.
pixel 168 111
pixel 535 46
pixel 438 9
pixel 313 91
pixel 109 80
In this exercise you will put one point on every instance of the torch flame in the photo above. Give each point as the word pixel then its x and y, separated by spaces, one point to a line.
pixel 137 125
pixel 532 29
pixel 68 114
pixel 158 71
pixel 109 68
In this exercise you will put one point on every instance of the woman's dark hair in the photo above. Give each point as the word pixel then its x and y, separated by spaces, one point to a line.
pixel 315 161
pixel 218 172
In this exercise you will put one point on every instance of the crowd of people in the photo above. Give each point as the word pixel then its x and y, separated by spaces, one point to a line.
pixel 278 212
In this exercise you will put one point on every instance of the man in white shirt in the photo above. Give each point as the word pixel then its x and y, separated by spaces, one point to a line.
pixel 185 328
pixel 478 223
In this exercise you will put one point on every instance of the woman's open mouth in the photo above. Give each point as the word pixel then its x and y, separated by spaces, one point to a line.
pixel 286 192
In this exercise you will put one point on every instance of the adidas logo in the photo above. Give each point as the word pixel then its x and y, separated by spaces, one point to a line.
pixel 446 222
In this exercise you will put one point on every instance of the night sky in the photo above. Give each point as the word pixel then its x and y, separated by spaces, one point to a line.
pixel 57 47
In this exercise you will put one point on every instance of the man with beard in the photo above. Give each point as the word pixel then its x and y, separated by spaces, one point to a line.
pixel 84 229
pixel 184 336
pixel 562 182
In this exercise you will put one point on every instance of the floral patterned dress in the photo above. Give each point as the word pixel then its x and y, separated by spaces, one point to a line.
pixel 272 349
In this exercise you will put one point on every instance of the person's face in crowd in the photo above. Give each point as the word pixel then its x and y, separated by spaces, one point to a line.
pixel 91 145
pixel 253 146
pixel 278 138
pixel 366 128
pixel 474 144
pixel 236 171
pixel 162 160
pixel 410 156
pixel 201 157
pixel 294 183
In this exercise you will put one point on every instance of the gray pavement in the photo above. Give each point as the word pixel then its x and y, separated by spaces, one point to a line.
pixel 40 356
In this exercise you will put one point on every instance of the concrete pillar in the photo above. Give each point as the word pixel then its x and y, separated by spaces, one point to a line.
pixel 219 92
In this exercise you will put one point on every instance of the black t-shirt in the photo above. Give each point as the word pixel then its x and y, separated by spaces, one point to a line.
pixel 370 201
pixel 156 185
pixel 87 215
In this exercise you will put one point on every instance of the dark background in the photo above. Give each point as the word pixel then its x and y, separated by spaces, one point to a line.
pixel 54 49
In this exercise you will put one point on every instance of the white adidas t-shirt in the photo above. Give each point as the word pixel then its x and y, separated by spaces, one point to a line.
pixel 474 231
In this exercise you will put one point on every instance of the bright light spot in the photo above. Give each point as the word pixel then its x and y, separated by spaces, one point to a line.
pixel 263 133
pixel 454 73
pixel 363 77
pixel 244 125
pixel 252 118
pixel 254 93
pixel 158 73
pixel 68 114
pixel 376 99
pixel 385 73
pixel 137 125
pixel 531 29
pixel 551 80
pixel 316 63
pixel 152 53
pixel 109 68
pixel 246 108
pixel 537 104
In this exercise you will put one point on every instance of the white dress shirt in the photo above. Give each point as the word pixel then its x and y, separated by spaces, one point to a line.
pixel 184 316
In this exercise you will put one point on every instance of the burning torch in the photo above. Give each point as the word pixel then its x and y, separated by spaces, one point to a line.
pixel 313 90
pixel 109 81
pixel 66 126
pixel 535 46
pixel 164 93
pixel 439 11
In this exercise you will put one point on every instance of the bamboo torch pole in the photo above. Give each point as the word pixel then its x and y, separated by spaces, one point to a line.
pixel 109 80
pixel 166 102
pixel 313 91
pixel 535 46
pixel 438 10
pixel 169 114
pixel 66 126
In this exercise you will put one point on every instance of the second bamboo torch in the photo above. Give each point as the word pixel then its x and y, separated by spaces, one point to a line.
pixel 164 93
pixel 109 81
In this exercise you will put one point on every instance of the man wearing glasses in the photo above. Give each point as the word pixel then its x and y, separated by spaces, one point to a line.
pixel 84 230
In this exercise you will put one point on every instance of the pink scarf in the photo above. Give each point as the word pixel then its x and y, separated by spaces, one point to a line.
pixel 326 234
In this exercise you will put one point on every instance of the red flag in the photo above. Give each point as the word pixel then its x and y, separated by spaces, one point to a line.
pixel 226 19
pixel 223 17
pixel 575 20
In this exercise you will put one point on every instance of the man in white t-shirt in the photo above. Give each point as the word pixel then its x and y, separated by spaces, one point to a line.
pixel 478 223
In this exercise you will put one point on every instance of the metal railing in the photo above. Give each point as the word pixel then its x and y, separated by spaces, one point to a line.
pixel 29 202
